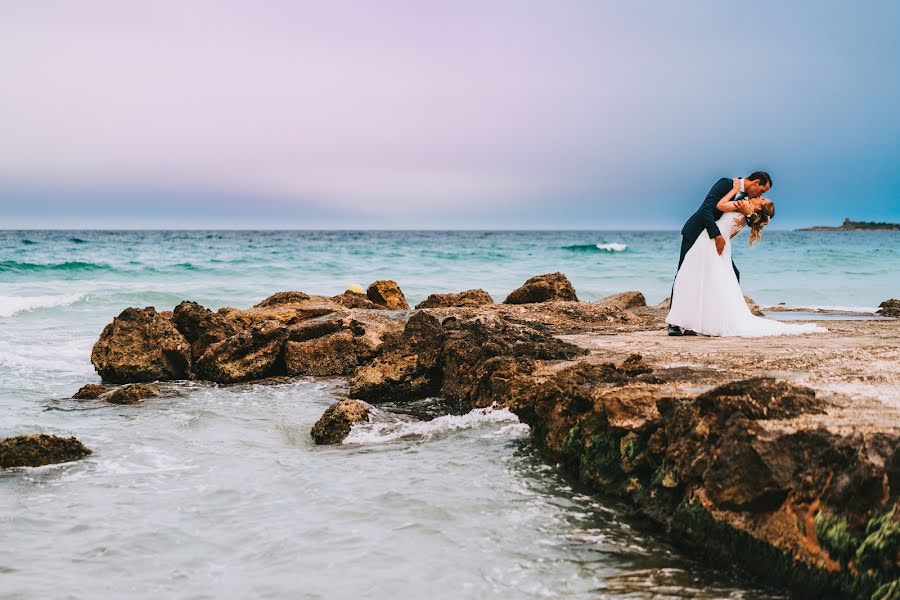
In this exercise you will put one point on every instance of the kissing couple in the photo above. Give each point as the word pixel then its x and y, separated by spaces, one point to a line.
pixel 706 297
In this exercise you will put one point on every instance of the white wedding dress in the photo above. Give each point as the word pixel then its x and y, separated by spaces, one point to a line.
pixel 707 297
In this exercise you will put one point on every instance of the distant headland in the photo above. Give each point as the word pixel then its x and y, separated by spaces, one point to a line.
pixel 849 225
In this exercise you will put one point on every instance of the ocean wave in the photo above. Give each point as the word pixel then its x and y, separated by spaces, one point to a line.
pixel 610 247
pixel 13 305
pixel 28 242
pixel 28 267
pixel 76 240
pixel 388 428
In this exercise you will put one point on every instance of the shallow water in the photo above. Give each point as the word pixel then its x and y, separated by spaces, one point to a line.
pixel 218 491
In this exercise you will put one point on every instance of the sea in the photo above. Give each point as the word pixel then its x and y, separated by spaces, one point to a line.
pixel 218 491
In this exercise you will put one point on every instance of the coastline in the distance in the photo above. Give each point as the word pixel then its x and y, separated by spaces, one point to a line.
pixel 849 225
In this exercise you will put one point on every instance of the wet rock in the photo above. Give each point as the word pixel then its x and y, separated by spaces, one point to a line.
pixel 350 299
pixel 41 449
pixel 131 394
pixel 337 420
pixel 201 327
pixel 477 347
pixel 141 345
pixel 386 293
pixel 889 308
pixel 468 298
pixel 283 298
pixel 409 366
pixel 252 353
pixel 543 288
pixel 624 300
pixel 91 391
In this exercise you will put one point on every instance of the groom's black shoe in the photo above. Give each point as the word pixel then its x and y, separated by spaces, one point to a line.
pixel 688 332
pixel 675 330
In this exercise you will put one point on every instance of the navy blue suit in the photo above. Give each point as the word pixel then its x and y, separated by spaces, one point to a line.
pixel 705 218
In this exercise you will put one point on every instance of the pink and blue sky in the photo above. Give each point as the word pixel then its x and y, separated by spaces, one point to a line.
pixel 400 114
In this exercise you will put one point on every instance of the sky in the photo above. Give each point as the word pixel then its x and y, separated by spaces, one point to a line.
pixel 427 114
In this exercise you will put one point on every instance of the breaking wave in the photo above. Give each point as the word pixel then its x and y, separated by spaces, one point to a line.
pixel 611 247
pixel 12 305
pixel 388 428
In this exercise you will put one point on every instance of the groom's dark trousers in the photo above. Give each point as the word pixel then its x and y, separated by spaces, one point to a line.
pixel 705 219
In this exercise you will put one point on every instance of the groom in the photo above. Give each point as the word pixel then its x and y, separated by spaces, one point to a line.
pixel 754 186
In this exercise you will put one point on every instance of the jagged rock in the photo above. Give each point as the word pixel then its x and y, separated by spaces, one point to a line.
pixel 351 299
pixel 889 308
pixel 753 306
pixel 386 293
pixel 283 298
pixel 471 298
pixel 332 354
pixel 477 347
pixel 91 391
pixel 337 346
pixel 141 345
pixel 201 327
pixel 285 314
pixel 337 420
pixel 624 300
pixel 41 449
pixel 131 394
pixel 408 367
pixel 543 288
pixel 252 353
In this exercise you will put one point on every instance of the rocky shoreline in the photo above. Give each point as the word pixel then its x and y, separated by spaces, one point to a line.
pixel 760 454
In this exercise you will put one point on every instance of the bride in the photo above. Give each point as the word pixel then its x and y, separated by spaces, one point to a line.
pixel 707 297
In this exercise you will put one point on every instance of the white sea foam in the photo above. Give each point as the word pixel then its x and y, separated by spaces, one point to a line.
pixel 384 427
pixel 612 247
pixel 12 305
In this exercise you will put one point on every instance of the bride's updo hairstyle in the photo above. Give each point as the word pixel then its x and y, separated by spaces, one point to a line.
pixel 765 214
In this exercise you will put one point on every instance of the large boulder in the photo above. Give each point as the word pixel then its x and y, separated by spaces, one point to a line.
pixel 624 300
pixel 386 293
pixel 409 365
pixel 337 345
pixel 37 450
pixel 889 308
pixel 252 353
pixel 201 327
pixel 141 345
pixel 337 420
pixel 468 298
pixel 543 288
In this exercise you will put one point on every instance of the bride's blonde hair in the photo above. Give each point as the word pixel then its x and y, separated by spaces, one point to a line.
pixel 765 214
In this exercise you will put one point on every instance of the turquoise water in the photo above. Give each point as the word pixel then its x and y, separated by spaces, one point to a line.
pixel 218 491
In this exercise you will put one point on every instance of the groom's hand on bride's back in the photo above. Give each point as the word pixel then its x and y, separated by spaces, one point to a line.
pixel 720 244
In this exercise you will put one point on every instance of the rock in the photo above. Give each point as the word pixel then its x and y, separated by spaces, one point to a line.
pixel 91 391
pixel 252 353
pixel 350 299
pixel 889 308
pixel 332 354
pixel 409 367
pixel 543 288
pixel 201 327
pixel 754 307
pixel 283 298
pixel 386 293
pixel 141 345
pixel 477 347
pixel 41 449
pixel 471 298
pixel 131 394
pixel 624 300
pixel 337 420
pixel 664 305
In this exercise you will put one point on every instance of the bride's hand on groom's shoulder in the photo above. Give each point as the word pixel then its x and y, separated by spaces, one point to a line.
pixel 736 186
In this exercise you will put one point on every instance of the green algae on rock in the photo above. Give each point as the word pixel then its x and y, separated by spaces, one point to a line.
pixel 40 449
